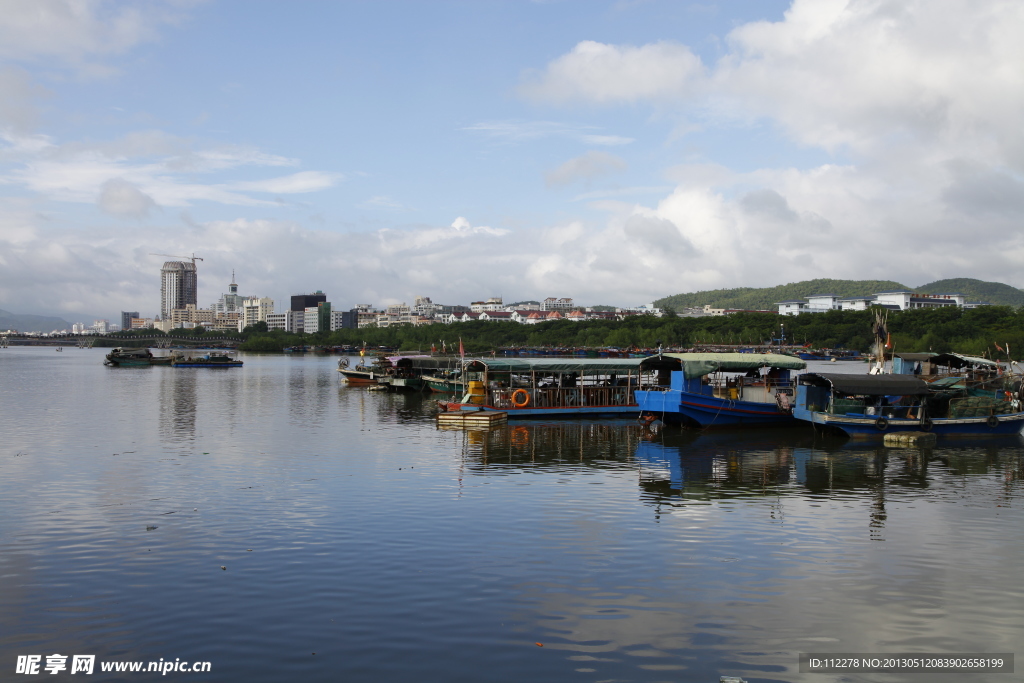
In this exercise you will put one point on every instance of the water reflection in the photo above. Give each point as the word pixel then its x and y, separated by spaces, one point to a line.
pixel 178 405
pixel 540 445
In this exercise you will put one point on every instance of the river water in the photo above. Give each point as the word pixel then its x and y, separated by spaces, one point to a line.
pixel 360 543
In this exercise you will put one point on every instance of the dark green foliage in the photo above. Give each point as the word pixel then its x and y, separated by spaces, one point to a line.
pixel 765 298
pixel 977 290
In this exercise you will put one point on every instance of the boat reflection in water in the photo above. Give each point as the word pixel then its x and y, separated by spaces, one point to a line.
pixel 678 468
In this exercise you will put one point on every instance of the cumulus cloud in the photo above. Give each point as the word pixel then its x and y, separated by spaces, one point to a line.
pixel 923 100
pixel 596 72
pixel 163 167
pixel 75 32
pixel 121 198
pixel 586 167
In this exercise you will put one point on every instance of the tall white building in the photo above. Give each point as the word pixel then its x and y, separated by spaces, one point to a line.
pixel 232 301
pixel 179 286
pixel 256 310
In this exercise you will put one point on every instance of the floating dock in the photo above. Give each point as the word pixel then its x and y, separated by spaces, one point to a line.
pixel 471 419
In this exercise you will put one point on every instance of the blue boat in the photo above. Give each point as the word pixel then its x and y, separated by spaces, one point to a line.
pixel 725 390
pixel 870 406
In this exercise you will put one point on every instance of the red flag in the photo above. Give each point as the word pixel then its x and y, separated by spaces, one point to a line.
pixel 433 348
pixel 888 340
pixel 998 346
pixel 462 351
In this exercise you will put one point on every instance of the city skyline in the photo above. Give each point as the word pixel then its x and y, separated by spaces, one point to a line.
pixel 616 152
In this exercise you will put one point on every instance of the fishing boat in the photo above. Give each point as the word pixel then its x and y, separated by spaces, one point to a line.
pixel 392 371
pixel 126 357
pixel 560 387
pixel 725 390
pixel 866 406
pixel 209 360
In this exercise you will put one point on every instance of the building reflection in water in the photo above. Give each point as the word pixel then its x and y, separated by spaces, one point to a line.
pixel 178 405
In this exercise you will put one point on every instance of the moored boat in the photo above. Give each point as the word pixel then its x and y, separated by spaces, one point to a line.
pixel 867 406
pixel 560 387
pixel 725 390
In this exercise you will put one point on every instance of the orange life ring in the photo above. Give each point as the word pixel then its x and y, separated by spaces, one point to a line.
pixel 525 398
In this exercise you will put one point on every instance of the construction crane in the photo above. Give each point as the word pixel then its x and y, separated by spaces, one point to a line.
pixel 193 257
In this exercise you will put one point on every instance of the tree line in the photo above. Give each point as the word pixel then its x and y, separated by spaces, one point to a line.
pixel 973 332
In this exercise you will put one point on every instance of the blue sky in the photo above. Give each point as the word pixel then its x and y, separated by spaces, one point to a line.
pixel 614 152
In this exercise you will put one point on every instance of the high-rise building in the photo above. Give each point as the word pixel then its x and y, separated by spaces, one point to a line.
pixel 300 302
pixel 179 286
pixel 126 319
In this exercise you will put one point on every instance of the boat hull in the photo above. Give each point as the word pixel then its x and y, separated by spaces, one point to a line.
pixel 359 377
pixel 869 427
pixel 444 386
pixel 556 411
pixel 195 364
pixel 697 410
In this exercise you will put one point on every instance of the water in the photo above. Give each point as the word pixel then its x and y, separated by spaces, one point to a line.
pixel 350 527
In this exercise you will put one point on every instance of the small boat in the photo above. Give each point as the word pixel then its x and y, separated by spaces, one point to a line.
pixel 725 390
pixel 126 357
pixel 866 406
pixel 210 360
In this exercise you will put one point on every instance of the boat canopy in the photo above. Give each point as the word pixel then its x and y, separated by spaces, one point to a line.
pixel 868 385
pixel 956 360
pixel 700 364
pixel 582 366
pixel 428 363
pixel 917 357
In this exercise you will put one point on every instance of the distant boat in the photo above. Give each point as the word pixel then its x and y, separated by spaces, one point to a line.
pixel 126 357
pixel 210 360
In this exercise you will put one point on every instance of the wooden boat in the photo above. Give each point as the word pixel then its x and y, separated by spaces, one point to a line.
pixel 362 373
pixel 867 406
pixel 210 360
pixel 126 357
pixel 725 390
pixel 560 387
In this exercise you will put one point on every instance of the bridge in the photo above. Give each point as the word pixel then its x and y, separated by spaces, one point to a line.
pixel 89 340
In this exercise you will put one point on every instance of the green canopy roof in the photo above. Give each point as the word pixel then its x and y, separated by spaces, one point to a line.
pixel 958 360
pixel 590 366
pixel 700 364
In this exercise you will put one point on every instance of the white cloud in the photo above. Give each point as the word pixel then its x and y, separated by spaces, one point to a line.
pixel 523 131
pixel 121 198
pixel 161 166
pixel 586 167
pixel 596 72
pixel 74 32
pixel 924 98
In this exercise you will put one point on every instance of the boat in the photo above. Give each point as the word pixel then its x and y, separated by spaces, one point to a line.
pixel 362 373
pixel 127 357
pixel 725 390
pixel 559 387
pixel 393 371
pixel 209 360
pixel 866 406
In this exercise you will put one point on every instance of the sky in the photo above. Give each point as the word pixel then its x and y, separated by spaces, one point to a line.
pixel 611 151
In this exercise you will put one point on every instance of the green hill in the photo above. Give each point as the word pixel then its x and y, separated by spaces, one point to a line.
pixel 976 290
pixel 765 298
pixel 31 323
